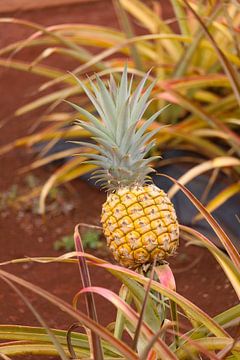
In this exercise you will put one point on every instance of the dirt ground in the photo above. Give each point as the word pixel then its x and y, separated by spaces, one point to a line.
pixel 24 233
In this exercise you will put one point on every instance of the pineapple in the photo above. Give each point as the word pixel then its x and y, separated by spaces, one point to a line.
pixel 138 219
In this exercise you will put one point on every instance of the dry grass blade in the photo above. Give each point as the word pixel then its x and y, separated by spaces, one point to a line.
pixel 227 66
pixel 73 327
pixel 127 27
pixel 90 303
pixel 177 98
pixel 53 338
pixel 228 245
pixel 131 314
pixel 184 62
pixel 125 274
pixel 152 341
pixel 5 357
pixel 213 344
pixel 167 279
pixel 48 159
pixel 63 174
pixel 228 349
pixel 221 198
pixel 181 15
pixel 196 313
pixel 76 314
pixel 191 349
pixel 42 70
pixel 219 162
pixel 226 264
pixel 41 30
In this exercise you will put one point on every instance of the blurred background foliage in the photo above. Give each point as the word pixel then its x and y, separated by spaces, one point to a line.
pixel 194 57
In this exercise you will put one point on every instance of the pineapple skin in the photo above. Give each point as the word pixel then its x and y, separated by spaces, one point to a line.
pixel 140 225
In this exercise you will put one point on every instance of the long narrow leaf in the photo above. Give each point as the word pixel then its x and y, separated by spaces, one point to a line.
pixel 226 264
pixel 90 302
pixel 220 198
pixel 228 245
pixel 53 338
pixel 78 315
pixel 161 347
pixel 219 162
pixel 227 66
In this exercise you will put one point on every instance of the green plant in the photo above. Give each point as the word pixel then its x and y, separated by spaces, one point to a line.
pixel 65 243
pixel 149 310
pixel 195 69
pixel 8 197
pixel 138 219
pixel 90 240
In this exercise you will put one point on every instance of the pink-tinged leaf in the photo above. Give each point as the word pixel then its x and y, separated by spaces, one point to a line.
pixel 90 303
pixel 220 198
pixel 177 98
pixel 148 351
pixel 161 347
pixel 216 163
pixel 226 264
pixel 226 64
pixel 225 240
pixel 152 355
pixel 101 331
pixel 68 258
pixel 53 338
pixel 208 346
pixel 195 312
pixel 193 347
pixel 166 95
pixel 123 275
pixel 167 279
pixel 77 326
pixel 190 82
pixel 166 276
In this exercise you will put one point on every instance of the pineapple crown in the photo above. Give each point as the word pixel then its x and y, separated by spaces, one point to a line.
pixel 120 144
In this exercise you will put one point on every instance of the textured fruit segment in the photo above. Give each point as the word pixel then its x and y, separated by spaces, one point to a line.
pixel 111 224
pixel 141 255
pixel 146 199
pixel 140 225
pixel 158 226
pixel 119 211
pixel 118 237
pixel 135 211
pixel 149 241
pixel 152 212
pixel 133 238
pixel 126 224
pixel 173 231
pixel 129 199
pixel 113 201
pixel 158 254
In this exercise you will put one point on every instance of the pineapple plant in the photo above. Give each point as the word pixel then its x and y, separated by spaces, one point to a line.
pixel 138 219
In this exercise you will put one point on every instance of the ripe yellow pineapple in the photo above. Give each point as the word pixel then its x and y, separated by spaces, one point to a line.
pixel 138 219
